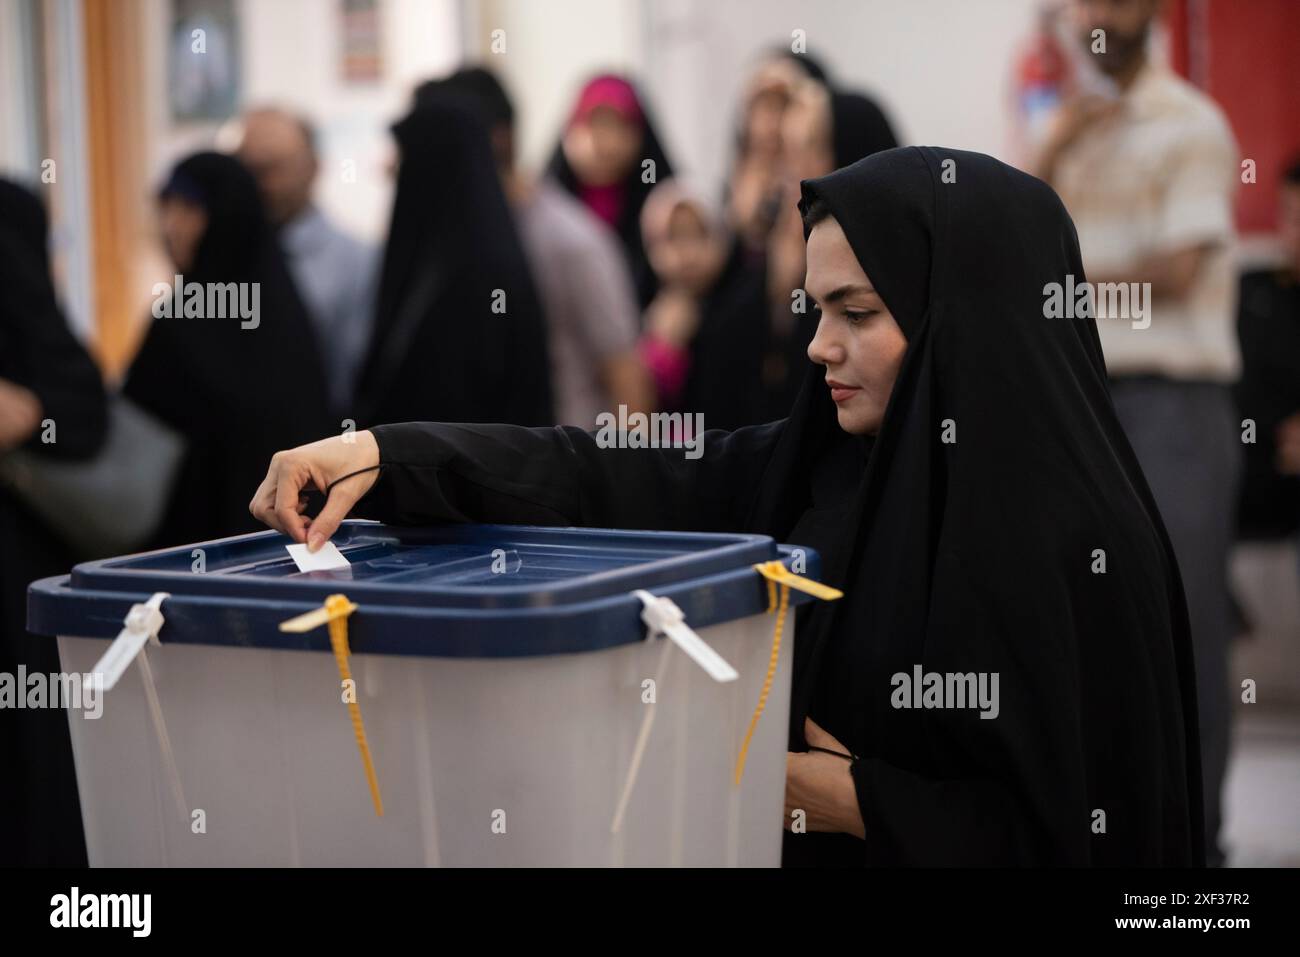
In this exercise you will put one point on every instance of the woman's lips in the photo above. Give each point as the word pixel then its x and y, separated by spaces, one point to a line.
pixel 840 392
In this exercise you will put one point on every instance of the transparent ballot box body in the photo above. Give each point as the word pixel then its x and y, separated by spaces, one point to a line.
pixel 503 676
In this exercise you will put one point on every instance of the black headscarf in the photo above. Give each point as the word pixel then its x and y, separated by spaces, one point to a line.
pixel 635 192
pixel 237 395
pixel 859 128
pixel 37 349
pixel 806 62
pixel 439 350
pixel 981 555
pixel 40 817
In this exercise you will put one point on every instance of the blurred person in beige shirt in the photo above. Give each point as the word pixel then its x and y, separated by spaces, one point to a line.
pixel 1147 167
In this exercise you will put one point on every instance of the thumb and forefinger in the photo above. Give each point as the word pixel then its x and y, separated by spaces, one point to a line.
pixel 337 506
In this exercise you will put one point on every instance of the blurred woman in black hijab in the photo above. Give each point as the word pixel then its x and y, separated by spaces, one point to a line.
pixel 761 182
pixel 704 340
pixel 236 388
pixel 602 159
pixel 956 459
pixel 796 128
pixel 45 375
pixel 459 331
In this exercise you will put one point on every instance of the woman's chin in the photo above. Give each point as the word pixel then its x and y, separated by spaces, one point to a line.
pixel 853 421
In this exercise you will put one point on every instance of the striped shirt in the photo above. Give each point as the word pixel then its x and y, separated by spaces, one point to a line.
pixel 1158 177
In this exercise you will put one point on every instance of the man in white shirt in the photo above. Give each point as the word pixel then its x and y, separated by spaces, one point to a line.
pixel 335 273
pixel 1147 171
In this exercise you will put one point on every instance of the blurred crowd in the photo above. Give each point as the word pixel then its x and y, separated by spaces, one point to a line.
pixel 610 279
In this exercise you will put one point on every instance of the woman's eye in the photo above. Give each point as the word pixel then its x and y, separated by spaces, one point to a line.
pixel 859 315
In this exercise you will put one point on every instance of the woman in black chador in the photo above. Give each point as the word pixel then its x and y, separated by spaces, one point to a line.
pixel 49 388
pixel 236 388
pixel 955 457
pixel 459 332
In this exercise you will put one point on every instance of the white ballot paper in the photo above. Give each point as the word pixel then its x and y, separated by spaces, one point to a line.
pixel 324 558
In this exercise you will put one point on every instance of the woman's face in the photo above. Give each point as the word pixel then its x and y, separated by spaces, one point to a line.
pixel 182 224
pixel 603 149
pixel 857 339
pixel 807 149
pixel 689 255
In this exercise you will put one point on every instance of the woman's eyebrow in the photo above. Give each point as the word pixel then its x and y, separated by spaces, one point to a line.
pixel 848 289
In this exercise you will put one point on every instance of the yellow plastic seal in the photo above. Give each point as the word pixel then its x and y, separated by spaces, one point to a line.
pixel 335 613
pixel 777 574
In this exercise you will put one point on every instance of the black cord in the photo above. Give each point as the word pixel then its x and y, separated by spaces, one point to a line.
pixel 838 754
pixel 344 478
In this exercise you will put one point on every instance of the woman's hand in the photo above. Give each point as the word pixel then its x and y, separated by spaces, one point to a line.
pixel 673 316
pixel 1288 445
pixel 20 414
pixel 821 786
pixel 279 501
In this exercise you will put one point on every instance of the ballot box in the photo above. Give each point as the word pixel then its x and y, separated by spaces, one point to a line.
pixel 516 709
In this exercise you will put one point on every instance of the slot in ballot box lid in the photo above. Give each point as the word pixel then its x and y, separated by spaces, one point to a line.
pixel 476 591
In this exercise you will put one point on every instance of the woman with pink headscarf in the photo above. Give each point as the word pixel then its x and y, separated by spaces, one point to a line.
pixel 610 158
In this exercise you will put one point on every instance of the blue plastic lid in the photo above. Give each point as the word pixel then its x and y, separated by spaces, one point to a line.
pixel 476 591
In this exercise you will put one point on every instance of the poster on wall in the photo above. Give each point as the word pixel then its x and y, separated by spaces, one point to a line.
pixel 361 52
pixel 203 67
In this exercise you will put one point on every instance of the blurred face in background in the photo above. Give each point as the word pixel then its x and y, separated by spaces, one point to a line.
pixel 1289 223
pixel 770 92
pixel 806 141
pixel 1126 24
pixel 857 339
pixel 182 224
pixel 688 255
pixel 604 147
pixel 276 150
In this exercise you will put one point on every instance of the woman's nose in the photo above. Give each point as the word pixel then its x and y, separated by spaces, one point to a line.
pixel 823 349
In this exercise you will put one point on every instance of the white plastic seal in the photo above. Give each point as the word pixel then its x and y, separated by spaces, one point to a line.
pixel 141 627
pixel 142 624
pixel 662 616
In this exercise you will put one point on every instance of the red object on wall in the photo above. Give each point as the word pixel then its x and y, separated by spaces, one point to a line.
pixel 1243 54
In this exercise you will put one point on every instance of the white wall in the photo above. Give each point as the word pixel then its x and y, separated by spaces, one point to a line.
pixel 19 150
pixel 551 48
pixel 940 67
pixel 291 57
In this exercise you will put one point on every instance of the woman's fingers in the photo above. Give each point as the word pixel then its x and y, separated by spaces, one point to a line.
pixel 292 479
pixel 262 507
pixel 342 497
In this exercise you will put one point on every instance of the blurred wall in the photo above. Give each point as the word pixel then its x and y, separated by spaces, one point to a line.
pixel 291 57
pixel 939 67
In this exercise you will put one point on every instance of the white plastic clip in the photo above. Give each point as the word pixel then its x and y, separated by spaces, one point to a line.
pixel 142 623
pixel 662 616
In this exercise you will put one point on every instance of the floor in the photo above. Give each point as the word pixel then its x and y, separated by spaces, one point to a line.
pixel 1262 794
